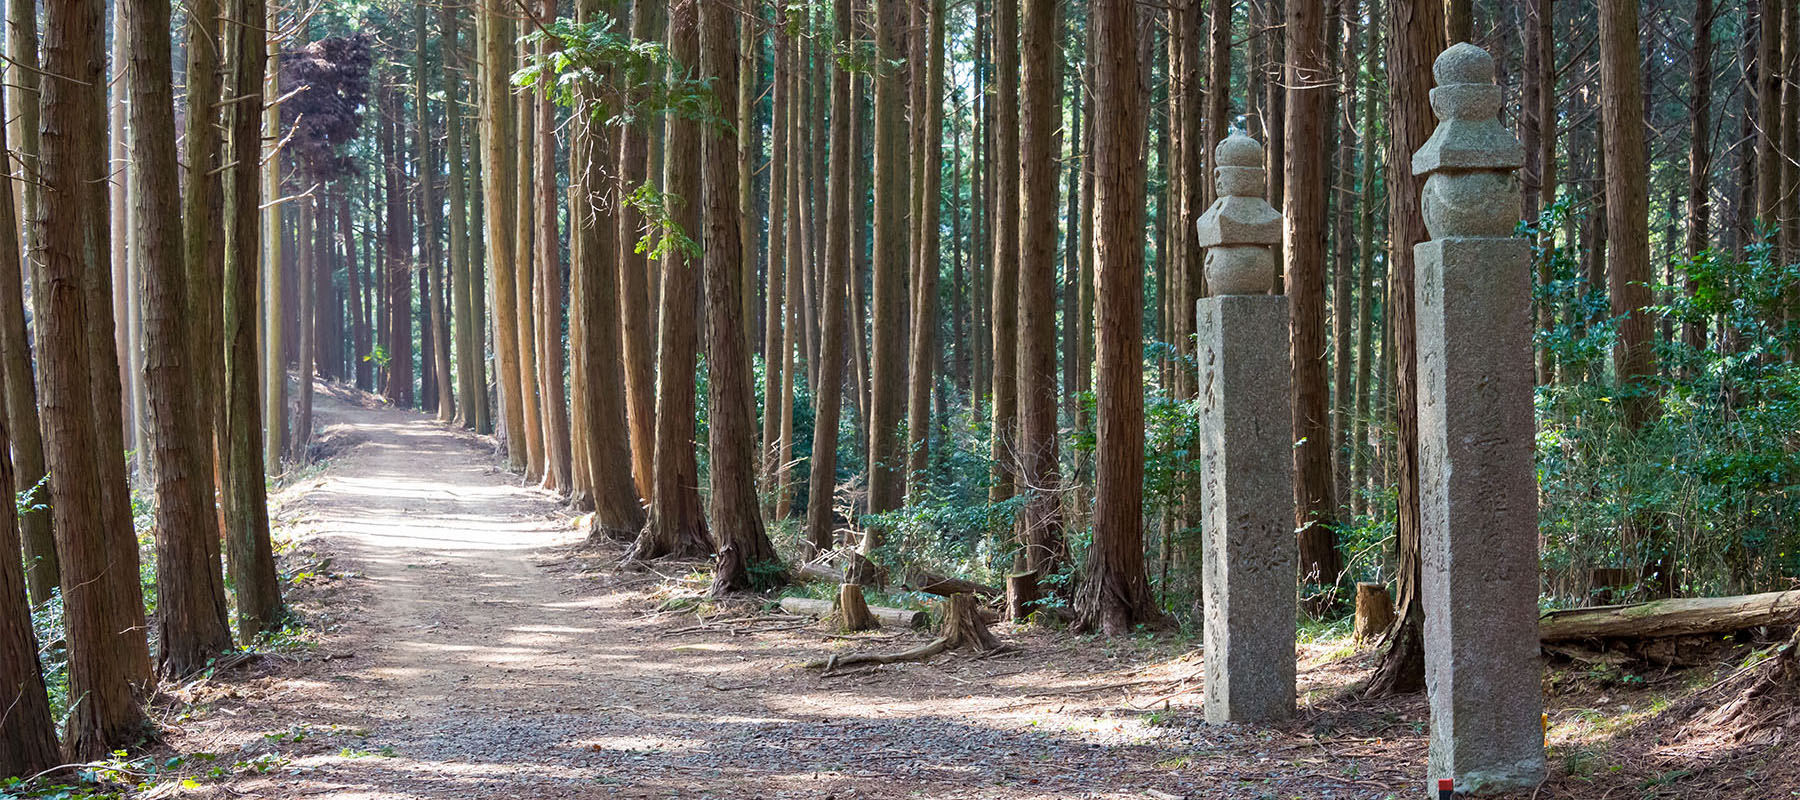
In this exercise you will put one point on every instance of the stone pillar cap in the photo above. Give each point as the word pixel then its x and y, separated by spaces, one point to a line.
pixel 1469 136
pixel 1242 215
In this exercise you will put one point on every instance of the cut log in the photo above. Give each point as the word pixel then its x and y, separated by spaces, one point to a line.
pixel 1374 611
pixel 819 571
pixel 853 611
pixel 1678 617
pixel 888 617
pixel 919 580
pixel 1021 595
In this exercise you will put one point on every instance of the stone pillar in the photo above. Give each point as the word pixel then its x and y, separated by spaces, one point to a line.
pixel 1246 442
pixel 1477 485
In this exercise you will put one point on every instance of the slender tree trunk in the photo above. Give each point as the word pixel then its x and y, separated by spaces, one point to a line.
pixel 676 525
pixel 1306 167
pixel 1415 30
pixel 1040 530
pixel 636 296
pixel 42 565
pixel 793 291
pixel 1004 308
pixel 834 291
pixel 1768 111
pixel 887 353
pixel 528 287
pixel 775 282
pixel 470 375
pixel 1115 596
pixel 1367 198
pixel 921 374
pixel 555 409
pixel 439 367
pixel 190 621
pixel 745 552
pixel 1699 204
pixel 500 155
pixel 303 397
pixel 274 393
pixel 1627 205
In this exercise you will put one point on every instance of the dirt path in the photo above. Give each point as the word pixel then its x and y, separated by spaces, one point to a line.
pixel 472 650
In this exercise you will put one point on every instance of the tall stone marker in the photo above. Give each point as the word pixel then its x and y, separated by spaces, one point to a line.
pixel 1246 450
pixel 1477 487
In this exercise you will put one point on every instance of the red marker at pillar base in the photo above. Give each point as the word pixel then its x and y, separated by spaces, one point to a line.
pixel 1446 789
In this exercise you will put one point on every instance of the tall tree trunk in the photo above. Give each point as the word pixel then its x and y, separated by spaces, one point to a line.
pixel 42 565
pixel 1367 198
pixel 775 282
pixel 921 374
pixel 1040 531
pixel 636 297
pixel 1416 31
pixel 745 552
pixel 1768 111
pixel 676 525
pixel 1699 204
pixel 499 145
pixel 304 283
pixel 274 326
pixel 528 287
pixel 1115 596
pixel 834 293
pixel 439 367
pixel 249 556
pixel 1627 206
pixel 1004 309
pixel 618 512
pixel 887 464
pixel 102 604
pixel 191 625
pixel 471 379
pixel 793 290
pixel 1306 165
pixel 554 406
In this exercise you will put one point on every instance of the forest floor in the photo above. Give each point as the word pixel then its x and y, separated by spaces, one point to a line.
pixel 460 640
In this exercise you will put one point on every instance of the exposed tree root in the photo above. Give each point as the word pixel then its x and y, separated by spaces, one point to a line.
pixel 963 629
pixel 1757 705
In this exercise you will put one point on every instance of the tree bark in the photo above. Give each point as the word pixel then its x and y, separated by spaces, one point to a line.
pixel 1699 203
pixel 1115 596
pixel 1627 206
pixel 527 288
pixel 103 606
pixel 1040 527
pixel 636 296
pixel 618 511
pixel 554 406
pixel 745 552
pixel 921 372
pixel 1306 164
pixel 1415 28
pixel 499 154
pixel 676 526
pixel 190 621
pixel 1004 266
pixel 887 464
pixel 834 291
pixel 27 734
pixel 42 565
pixel 775 280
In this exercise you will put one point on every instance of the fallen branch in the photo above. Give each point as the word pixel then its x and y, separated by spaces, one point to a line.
pixel 1665 618
pixel 888 617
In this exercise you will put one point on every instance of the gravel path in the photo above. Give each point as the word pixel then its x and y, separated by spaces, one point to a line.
pixel 470 648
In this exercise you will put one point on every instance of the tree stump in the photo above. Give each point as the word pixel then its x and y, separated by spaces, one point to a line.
pixel 1021 595
pixel 963 626
pixel 1374 611
pixel 853 611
